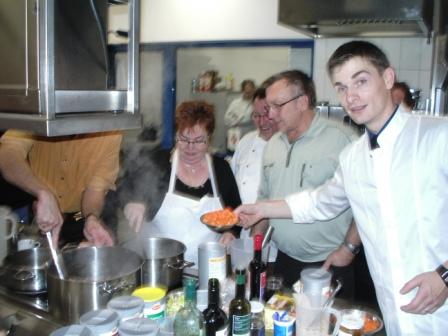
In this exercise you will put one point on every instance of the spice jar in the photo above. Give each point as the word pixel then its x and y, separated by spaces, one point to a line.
pixel 256 318
pixel 72 330
pixel 102 322
pixel 127 306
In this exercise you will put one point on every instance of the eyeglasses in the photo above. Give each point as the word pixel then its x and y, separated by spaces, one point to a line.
pixel 277 107
pixel 257 115
pixel 185 142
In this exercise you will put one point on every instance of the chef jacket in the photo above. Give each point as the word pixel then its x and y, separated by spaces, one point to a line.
pixel 246 165
pixel 398 194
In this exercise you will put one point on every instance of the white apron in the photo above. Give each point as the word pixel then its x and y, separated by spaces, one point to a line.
pixel 178 216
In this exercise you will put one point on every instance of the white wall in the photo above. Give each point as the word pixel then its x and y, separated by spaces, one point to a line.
pixel 410 57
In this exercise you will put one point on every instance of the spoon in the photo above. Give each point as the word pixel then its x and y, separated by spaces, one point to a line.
pixel 328 300
pixel 57 261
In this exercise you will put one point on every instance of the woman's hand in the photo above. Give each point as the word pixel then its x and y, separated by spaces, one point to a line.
pixel 135 214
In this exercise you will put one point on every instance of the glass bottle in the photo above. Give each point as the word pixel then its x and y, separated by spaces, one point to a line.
pixel 214 316
pixel 257 319
pixel 257 271
pixel 239 308
pixel 188 320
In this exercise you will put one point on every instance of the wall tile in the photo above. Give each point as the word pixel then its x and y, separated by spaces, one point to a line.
pixel 410 53
pixel 426 54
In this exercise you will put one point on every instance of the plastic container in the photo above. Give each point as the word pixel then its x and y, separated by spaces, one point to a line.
pixel 212 262
pixel 284 327
pixel 241 253
pixel 72 330
pixel 154 298
pixel 127 306
pixel 138 327
pixel 102 322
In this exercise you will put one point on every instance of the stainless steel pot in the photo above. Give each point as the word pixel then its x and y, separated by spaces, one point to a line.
pixel 164 262
pixel 25 271
pixel 93 276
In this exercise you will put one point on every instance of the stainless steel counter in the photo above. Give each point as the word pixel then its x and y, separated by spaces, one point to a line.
pixel 25 314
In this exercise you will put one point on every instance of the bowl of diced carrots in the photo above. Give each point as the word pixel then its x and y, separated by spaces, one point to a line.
pixel 372 322
pixel 219 220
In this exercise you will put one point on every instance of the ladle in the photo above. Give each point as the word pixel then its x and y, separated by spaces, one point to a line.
pixel 58 263
pixel 328 300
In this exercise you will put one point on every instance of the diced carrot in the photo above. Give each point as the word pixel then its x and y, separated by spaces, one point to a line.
pixel 220 217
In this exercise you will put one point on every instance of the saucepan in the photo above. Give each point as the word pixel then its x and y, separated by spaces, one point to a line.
pixel 93 276
pixel 25 271
pixel 164 262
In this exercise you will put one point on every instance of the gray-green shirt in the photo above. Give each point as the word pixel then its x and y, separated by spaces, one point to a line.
pixel 305 164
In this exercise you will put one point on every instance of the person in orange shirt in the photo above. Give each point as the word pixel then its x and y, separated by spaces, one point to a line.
pixel 68 176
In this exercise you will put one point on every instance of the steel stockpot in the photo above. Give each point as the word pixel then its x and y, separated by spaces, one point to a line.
pixel 164 262
pixel 93 276
pixel 26 271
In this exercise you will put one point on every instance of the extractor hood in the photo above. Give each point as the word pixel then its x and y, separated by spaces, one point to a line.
pixel 55 68
pixel 367 18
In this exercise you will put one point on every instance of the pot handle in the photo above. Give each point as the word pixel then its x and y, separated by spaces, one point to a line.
pixel 24 275
pixel 107 288
pixel 179 264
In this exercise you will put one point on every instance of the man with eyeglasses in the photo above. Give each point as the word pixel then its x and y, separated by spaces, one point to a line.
pixel 302 155
pixel 246 161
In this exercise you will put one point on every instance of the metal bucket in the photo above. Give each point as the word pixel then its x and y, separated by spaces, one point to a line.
pixel 93 276
pixel 164 262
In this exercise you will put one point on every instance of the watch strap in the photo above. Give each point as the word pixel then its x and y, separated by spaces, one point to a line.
pixel 354 249
pixel 443 272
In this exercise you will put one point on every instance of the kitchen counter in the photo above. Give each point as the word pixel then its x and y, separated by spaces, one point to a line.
pixel 25 314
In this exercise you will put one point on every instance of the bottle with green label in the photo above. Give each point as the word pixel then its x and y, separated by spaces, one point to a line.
pixel 239 309
pixel 188 320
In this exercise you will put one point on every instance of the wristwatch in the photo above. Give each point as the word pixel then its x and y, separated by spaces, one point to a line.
pixel 354 249
pixel 443 272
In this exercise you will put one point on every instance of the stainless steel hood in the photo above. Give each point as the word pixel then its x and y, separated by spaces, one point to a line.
pixel 55 73
pixel 332 18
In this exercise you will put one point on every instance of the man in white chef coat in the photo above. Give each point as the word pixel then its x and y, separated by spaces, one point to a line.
pixel 395 178
pixel 246 161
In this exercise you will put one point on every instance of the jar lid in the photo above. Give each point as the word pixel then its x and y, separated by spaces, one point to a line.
pixel 100 321
pixel 126 305
pixel 138 326
pixel 256 307
pixel 314 279
pixel 150 293
pixel 72 330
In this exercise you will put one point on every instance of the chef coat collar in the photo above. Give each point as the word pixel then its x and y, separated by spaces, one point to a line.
pixel 373 137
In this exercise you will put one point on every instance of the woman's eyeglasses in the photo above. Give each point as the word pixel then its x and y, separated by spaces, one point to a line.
pixel 197 142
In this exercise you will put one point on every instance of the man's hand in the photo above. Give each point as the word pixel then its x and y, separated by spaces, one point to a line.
pixel 431 294
pixel 249 214
pixel 96 233
pixel 48 217
pixel 226 238
pixel 135 214
pixel 340 257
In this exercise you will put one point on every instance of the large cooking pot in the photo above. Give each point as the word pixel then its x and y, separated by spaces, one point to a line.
pixel 25 271
pixel 93 276
pixel 164 262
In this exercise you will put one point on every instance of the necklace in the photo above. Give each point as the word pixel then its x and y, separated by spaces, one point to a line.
pixel 192 169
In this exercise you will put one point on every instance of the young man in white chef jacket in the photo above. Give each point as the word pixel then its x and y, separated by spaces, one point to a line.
pixel 395 178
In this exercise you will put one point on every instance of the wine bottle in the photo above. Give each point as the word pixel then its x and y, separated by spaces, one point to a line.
pixel 257 271
pixel 239 308
pixel 189 321
pixel 214 317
